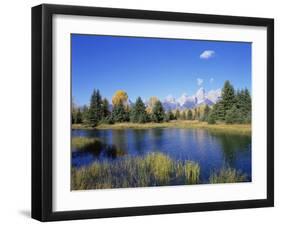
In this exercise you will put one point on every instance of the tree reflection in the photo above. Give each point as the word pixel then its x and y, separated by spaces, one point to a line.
pixel 232 145
pixel 139 141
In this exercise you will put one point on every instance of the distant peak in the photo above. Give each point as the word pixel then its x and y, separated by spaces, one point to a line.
pixel 185 101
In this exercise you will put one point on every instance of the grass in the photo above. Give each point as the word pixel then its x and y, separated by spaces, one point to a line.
pixel 227 175
pixel 192 171
pixel 154 169
pixel 244 129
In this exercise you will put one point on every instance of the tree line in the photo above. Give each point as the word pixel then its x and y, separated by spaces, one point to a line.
pixel 233 107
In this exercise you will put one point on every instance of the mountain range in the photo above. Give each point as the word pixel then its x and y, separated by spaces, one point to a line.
pixel 185 101
pixel 201 97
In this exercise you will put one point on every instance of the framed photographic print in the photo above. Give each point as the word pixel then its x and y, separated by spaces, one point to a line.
pixel 145 112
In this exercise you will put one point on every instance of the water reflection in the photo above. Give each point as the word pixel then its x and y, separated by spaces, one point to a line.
pixel 211 150
pixel 232 146
pixel 138 140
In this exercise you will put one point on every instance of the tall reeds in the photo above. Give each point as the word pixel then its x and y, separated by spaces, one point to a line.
pixel 154 169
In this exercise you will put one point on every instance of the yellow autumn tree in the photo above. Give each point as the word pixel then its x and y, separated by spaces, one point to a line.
pixel 151 103
pixel 120 97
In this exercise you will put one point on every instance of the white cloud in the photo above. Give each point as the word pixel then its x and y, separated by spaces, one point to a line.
pixel 212 80
pixel 207 54
pixel 200 81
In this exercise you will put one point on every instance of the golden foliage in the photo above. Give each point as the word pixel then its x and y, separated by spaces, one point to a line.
pixel 151 103
pixel 120 97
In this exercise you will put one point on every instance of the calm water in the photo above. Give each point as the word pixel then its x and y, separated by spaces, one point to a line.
pixel 211 150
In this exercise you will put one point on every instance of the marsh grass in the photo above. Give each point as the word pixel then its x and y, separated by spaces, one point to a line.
pixel 192 172
pixel 227 175
pixel 154 169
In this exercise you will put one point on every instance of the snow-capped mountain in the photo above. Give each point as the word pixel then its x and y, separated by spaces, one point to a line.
pixel 214 95
pixel 186 101
pixel 170 103
pixel 199 98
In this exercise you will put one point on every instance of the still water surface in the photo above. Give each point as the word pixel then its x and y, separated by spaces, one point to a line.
pixel 211 150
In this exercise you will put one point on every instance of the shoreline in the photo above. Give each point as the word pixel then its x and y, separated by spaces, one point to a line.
pixel 244 129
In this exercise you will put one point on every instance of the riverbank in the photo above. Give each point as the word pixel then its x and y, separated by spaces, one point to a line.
pixel 244 129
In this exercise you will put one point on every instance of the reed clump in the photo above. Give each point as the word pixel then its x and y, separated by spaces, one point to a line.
pixel 154 169
pixel 227 175
pixel 192 172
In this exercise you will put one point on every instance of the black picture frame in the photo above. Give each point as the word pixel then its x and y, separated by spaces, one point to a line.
pixel 42 111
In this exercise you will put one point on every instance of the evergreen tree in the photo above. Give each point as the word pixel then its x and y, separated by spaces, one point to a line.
pixel 177 114
pixel 189 115
pixel 138 113
pixel 211 118
pixel 198 114
pixel 85 114
pixel 166 117
pixel 243 103
pixel 248 100
pixel 218 111
pixel 95 109
pixel 149 116
pixel 73 116
pixel 233 107
pixel 105 108
pixel 170 115
pixel 234 115
pixel 119 114
pixel 78 116
pixel 248 118
pixel 158 113
pixel 227 98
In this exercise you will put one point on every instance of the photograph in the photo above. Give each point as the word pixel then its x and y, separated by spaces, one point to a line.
pixel 149 112
pixel 140 112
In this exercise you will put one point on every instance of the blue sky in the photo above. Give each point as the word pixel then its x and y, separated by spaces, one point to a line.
pixel 148 67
